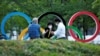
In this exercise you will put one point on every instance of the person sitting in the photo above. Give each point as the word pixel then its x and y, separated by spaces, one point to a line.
pixel 48 29
pixel 34 29
pixel 61 31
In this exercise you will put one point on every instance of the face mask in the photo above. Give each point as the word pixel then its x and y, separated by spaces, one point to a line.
pixel 56 24
pixel 50 26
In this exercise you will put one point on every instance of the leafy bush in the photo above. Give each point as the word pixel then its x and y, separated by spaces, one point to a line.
pixel 45 47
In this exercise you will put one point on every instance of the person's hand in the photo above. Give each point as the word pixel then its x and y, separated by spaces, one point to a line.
pixel 46 30
pixel 52 32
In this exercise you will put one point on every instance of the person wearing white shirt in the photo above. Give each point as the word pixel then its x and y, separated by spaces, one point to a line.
pixel 61 31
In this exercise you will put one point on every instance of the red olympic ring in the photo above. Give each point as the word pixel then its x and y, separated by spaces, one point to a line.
pixel 84 13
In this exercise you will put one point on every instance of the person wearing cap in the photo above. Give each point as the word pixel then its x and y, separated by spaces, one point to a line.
pixel 34 29
pixel 60 31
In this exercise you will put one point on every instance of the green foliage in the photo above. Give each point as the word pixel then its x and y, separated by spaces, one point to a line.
pixel 34 8
pixel 45 47
pixel 14 22
pixel 96 7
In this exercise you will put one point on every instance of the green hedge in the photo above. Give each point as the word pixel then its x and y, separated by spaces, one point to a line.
pixel 44 47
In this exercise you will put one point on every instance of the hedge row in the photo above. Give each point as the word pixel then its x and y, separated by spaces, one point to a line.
pixel 45 47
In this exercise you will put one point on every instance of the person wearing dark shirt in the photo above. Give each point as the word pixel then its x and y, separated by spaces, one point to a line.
pixel 48 29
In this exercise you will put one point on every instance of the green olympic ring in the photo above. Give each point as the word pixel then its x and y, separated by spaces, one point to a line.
pixel 76 31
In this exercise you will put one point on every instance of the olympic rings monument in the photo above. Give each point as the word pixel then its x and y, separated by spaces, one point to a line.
pixel 71 29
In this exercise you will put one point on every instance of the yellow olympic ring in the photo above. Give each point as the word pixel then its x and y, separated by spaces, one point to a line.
pixel 21 36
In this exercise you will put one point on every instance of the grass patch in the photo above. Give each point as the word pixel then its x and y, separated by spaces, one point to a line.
pixel 45 47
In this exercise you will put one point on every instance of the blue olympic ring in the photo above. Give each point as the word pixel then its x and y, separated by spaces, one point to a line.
pixel 26 36
pixel 26 17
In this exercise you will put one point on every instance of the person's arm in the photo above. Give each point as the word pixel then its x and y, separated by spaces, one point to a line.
pixel 57 32
pixel 46 30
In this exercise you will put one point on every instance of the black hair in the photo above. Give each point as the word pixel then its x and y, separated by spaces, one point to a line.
pixel 57 20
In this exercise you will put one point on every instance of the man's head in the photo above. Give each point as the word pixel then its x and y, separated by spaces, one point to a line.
pixel 57 21
pixel 35 20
